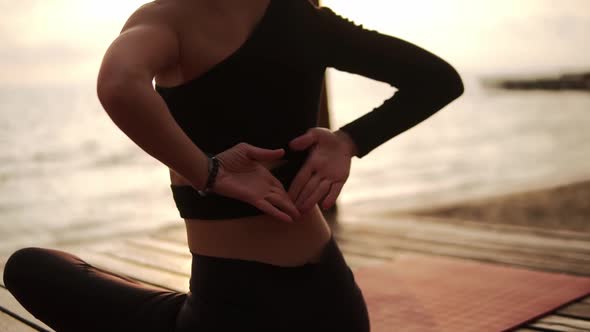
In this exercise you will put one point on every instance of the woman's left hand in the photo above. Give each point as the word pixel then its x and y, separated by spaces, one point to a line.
pixel 325 171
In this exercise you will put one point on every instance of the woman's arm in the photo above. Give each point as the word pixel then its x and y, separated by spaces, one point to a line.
pixel 425 82
pixel 144 48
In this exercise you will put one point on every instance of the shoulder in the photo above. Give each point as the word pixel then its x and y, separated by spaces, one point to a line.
pixel 155 14
pixel 318 15
pixel 148 42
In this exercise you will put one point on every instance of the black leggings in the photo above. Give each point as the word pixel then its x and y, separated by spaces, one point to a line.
pixel 226 294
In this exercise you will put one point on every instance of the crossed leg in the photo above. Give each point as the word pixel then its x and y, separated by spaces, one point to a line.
pixel 70 295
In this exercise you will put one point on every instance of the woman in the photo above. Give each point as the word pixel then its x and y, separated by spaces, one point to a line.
pixel 233 115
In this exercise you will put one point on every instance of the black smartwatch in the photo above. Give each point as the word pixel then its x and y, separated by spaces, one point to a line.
pixel 213 169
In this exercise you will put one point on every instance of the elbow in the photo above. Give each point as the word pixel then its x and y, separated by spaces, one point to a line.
pixel 116 85
pixel 444 85
pixel 109 88
pixel 436 83
pixel 108 92
pixel 449 83
pixel 454 84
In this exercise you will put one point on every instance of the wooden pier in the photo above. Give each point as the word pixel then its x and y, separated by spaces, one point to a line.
pixel 162 258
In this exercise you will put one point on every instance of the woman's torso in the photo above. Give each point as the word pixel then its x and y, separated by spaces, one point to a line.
pixel 205 40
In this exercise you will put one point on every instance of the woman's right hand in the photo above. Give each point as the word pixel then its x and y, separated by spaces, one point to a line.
pixel 243 176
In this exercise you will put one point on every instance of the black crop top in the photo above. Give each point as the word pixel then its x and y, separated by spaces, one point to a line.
pixel 267 92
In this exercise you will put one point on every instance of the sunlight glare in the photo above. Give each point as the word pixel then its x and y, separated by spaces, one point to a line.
pixel 84 21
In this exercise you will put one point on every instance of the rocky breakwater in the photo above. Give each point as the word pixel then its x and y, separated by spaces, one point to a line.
pixel 577 81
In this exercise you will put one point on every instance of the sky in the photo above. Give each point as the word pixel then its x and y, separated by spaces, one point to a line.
pixel 57 41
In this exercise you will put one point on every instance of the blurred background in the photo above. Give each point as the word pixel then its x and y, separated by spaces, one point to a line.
pixel 498 154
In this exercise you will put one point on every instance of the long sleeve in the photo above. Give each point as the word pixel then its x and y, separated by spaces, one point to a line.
pixel 425 83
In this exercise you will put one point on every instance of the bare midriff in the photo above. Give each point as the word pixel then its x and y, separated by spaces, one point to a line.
pixel 261 238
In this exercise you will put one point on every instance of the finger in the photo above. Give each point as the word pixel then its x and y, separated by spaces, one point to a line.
pixel 278 184
pixel 303 142
pixel 271 210
pixel 333 195
pixel 260 154
pixel 280 189
pixel 300 180
pixel 283 202
pixel 309 188
pixel 319 193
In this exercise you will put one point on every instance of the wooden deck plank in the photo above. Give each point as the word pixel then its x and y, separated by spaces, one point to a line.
pixel 10 304
pixel 456 251
pixel 579 310
pixel 498 228
pixel 11 324
pixel 162 258
pixel 564 324
pixel 151 257
pixel 170 247
pixel 2 274
pixel 444 246
pixel 357 261
pixel 574 249
pixel 177 235
pixel 468 243
pixel 362 249
pixel 477 231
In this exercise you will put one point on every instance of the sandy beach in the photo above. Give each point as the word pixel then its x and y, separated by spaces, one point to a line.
pixel 564 207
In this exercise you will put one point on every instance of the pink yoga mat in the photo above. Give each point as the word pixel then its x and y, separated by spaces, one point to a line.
pixel 431 293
